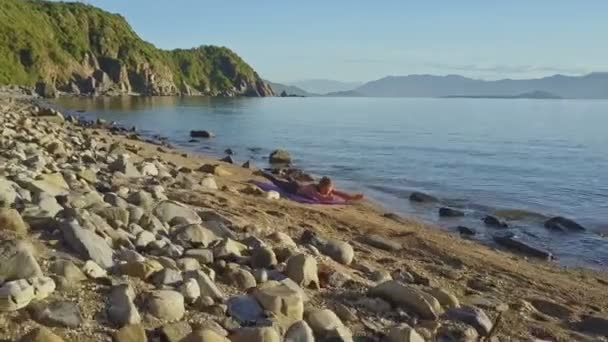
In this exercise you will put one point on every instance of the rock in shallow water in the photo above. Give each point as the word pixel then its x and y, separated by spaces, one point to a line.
pixel 449 212
pixel 563 224
pixel 422 197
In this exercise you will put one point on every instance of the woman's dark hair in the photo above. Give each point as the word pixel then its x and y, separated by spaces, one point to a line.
pixel 325 181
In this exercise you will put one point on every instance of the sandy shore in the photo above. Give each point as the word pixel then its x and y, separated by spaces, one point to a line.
pixel 519 298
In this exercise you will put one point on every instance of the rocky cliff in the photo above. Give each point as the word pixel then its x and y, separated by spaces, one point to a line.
pixel 80 49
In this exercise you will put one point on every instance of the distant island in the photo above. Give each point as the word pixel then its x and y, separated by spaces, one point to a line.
pixel 591 86
pixel 530 95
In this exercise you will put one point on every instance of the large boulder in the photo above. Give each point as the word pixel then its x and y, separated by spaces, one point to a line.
pixel 10 219
pixel 120 308
pixel 88 244
pixel 408 297
pixel 46 89
pixel 280 157
pixel 17 261
pixel 245 309
pixel 168 210
pixel 53 184
pixel 327 325
pixel 286 303
pixel 421 197
pixel 201 134
pixel 472 316
pixel 194 235
pixel 130 333
pixel 381 242
pixel 299 332
pixel 340 251
pixel 57 313
pixel 563 224
pixel 8 194
pixel 302 269
pixel 255 334
pixel 165 305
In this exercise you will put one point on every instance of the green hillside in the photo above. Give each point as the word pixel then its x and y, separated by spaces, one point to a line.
pixel 83 49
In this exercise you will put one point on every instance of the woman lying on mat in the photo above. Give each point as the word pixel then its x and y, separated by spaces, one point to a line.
pixel 322 191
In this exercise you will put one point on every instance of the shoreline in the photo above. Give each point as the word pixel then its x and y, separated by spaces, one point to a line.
pixel 542 299
pixel 528 225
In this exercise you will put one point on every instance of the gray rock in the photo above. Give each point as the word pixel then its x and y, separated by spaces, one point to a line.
pixel 240 278
pixel 130 333
pixel 593 324
pixel 409 297
pixel 381 242
pixel 302 269
pixel 284 302
pixel 257 334
pixel 422 197
pixel 168 210
pixel 450 212
pixel 207 286
pixel 299 332
pixel 17 261
pixel 403 333
pixel 263 257
pixel 53 184
pixel 190 290
pixel 68 270
pixel 451 331
pixel 142 199
pixel 280 157
pixel 167 276
pixel 205 335
pixel 245 309
pixel 165 305
pixel 10 219
pixel 8 194
pixel 326 324
pixel 123 165
pixel 88 244
pixel 194 235
pixel 58 313
pixel 202 256
pixel 563 224
pixel 472 316
pixel 188 263
pixel 345 313
pixel 340 251
pixel 175 332
pixel 15 295
pixel 120 308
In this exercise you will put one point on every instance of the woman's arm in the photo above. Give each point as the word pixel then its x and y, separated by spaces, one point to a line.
pixel 348 197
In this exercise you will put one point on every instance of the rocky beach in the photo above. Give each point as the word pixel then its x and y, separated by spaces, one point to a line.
pixel 109 237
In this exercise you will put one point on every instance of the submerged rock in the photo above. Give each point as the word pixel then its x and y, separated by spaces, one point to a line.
pixel 512 242
pixel 492 221
pixel 563 224
pixel 422 197
pixel 280 157
pixel 201 134
pixel 449 212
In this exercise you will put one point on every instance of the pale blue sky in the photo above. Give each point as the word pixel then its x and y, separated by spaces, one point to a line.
pixel 354 40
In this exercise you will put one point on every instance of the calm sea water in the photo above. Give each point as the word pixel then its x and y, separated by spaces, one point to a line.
pixel 540 156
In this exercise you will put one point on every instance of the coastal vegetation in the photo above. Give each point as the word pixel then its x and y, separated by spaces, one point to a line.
pixel 79 48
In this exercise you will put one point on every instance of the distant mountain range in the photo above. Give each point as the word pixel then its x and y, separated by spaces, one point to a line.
pixel 594 85
pixel 279 88
pixel 591 86
pixel 322 86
